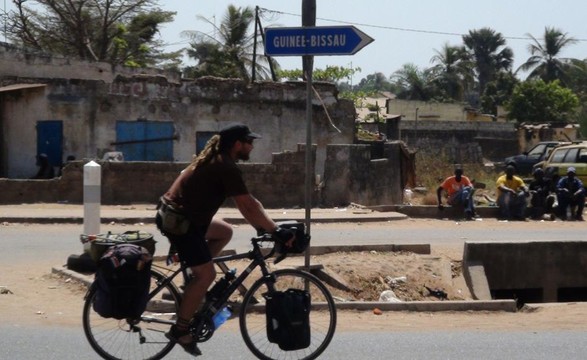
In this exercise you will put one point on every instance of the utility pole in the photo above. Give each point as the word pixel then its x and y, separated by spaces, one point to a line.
pixel 308 19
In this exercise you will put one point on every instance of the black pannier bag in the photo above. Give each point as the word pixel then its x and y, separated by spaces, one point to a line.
pixel 288 319
pixel 123 280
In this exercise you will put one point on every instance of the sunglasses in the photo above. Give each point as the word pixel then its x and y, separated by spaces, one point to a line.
pixel 248 141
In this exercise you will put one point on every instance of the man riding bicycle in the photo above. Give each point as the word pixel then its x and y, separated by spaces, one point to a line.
pixel 196 195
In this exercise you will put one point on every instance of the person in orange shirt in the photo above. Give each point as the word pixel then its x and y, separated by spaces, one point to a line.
pixel 459 190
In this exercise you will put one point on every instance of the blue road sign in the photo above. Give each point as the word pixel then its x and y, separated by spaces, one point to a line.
pixel 317 40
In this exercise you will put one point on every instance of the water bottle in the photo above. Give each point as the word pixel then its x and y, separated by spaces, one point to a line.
pixel 221 316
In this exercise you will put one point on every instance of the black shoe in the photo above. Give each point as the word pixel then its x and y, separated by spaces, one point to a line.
pixel 174 334
pixel 579 217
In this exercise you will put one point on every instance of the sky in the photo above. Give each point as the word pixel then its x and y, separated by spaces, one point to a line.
pixel 404 31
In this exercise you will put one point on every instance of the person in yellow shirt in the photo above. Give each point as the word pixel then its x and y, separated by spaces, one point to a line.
pixel 512 194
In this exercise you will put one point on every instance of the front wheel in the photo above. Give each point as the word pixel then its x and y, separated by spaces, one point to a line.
pixel 142 338
pixel 253 324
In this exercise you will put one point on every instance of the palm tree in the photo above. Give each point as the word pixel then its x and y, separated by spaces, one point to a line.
pixel 453 70
pixel 229 52
pixel 544 62
pixel 488 51
pixel 413 82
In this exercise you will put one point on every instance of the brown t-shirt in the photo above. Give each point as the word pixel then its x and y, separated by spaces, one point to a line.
pixel 202 191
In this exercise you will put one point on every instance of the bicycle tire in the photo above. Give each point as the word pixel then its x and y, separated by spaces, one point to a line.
pixel 116 339
pixel 253 325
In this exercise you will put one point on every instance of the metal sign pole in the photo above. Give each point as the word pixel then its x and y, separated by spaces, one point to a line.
pixel 308 19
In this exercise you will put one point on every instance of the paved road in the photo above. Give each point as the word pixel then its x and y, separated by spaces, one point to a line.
pixel 53 243
pixel 61 240
pixel 48 343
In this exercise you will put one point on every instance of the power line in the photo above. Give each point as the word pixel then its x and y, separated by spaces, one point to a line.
pixel 399 28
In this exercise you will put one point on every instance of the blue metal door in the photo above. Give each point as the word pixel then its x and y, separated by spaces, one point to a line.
pixel 202 138
pixel 50 140
pixel 145 140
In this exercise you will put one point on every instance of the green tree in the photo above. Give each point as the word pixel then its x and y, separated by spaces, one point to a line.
pixel 330 73
pixel 115 31
pixel 453 71
pixel 229 52
pixel 375 82
pixel 544 62
pixel 413 83
pixel 498 91
pixel 535 101
pixel 489 54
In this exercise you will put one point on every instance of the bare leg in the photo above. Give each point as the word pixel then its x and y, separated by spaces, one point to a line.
pixel 203 276
pixel 218 235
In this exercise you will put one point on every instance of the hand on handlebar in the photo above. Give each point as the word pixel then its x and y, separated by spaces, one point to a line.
pixel 284 236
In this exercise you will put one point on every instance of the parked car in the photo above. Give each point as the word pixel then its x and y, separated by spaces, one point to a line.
pixel 563 157
pixel 525 162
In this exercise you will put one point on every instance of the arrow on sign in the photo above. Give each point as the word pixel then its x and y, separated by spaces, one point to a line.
pixel 317 40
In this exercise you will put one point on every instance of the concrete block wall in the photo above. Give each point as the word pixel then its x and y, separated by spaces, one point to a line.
pixel 461 141
pixel 552 269
pixel 353 175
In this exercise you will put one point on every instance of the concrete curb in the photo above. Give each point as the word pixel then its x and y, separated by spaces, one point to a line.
pixel 416 306
pixel 151 220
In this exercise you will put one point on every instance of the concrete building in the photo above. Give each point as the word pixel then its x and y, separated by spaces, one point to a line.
pixel 63 107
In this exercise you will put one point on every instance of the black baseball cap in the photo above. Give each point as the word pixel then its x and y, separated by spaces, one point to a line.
pixel 238 132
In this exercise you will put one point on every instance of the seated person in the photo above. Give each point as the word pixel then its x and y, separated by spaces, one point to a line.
pixel 460 192
pixel 511 195
pixel 543 195
pixel 570 193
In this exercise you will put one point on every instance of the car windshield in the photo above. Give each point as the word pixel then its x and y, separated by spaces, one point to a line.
pixel 537 151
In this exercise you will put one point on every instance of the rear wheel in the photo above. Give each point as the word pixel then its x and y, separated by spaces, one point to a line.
pixel 253 324
pixel 142 338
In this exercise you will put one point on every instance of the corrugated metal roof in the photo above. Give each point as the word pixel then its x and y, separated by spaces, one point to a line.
pixel 14 87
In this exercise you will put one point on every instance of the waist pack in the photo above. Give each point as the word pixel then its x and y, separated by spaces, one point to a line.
pixel 171 220
pixel 288 319
pixel 123 280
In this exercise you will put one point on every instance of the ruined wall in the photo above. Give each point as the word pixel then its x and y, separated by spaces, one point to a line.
pixel 353 175
pixel 460 141
pixel 426 110
pixel 276 184
pixel 89 98
pixel 90 109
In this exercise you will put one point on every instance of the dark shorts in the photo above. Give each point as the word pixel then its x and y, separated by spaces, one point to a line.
pixel 192 247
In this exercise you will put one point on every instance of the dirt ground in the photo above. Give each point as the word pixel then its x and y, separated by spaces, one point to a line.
pixel 32 296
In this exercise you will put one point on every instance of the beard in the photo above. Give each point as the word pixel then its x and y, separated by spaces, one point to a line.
pixel 243 155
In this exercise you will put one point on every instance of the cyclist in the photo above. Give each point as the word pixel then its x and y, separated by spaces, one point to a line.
pixel 198 192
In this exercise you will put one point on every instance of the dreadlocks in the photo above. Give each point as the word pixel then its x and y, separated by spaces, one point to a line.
pixel 210 152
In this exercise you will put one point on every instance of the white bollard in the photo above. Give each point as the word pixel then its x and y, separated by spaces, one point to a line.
pixel 92 197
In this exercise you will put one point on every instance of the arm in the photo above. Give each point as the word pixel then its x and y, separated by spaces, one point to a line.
pixel 439 196
pixel 253 211
pixel 501 186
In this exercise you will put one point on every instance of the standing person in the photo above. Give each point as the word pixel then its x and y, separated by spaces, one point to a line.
pixel 197 193
pixel 570 192
pixel 45 171
pixel 542 190
pixel 460 192
pixel 511 195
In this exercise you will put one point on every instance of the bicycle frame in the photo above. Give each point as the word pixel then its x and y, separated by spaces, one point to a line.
pixel 210 307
